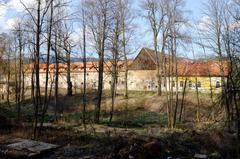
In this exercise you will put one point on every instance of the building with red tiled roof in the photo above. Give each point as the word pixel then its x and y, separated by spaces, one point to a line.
pixel 205 74
pixel 146 60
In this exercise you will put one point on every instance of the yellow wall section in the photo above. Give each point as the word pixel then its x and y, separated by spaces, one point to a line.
pixel 205 81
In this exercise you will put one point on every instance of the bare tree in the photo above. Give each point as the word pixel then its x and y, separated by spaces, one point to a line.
pixel 173 26
pixel 68 49
pixel 230 36
pixel 98 20
pixel 213 36
pixel 7 46
pixel 61 44
pixel 49 43
pixel 18 73
pixel 156 14
pixel 37 13
pixel 85 65
pixel 126 22
pixel 197 93
pixel 182 101
pixel 115 49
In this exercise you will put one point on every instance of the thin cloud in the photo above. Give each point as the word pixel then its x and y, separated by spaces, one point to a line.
pixel 3 13
pixel 203 23
pixel 18 6
pixel 11 23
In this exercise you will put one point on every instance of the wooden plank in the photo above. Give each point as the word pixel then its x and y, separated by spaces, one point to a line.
pixel 25 144
pixel 200 156
pixel 29 148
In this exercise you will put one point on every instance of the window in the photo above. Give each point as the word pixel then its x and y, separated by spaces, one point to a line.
pixel 94 84
pixel 199 84
pixel 164 84
pixel 181 83
pixel 173 83
pixel 189 83
pixel 218 84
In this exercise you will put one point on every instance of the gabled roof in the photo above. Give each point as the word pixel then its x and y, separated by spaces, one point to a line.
pixel 151 54
pixel 145 60
pixel 186 67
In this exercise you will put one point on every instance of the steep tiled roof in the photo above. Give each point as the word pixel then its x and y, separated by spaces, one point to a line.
pixel 187 67
pixel 151 53
pixel 77 66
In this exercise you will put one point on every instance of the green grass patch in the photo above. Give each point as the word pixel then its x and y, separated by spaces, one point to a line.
pixel 7 113
pixel 136 119
pixel 77 116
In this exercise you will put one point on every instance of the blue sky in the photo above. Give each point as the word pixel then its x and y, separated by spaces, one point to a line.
pixel 11 12
pixel 196 7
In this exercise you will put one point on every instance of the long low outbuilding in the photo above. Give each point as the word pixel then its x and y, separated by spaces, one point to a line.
pixel 206 75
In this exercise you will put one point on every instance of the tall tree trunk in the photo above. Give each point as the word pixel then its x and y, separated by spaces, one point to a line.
pixel 176 85
pixel 19 86
pixel 159 91
pixel 198 101
pixel 33 86
pixel 69 82
pixel 114 65
pixel 56 78
pixel 85 69
pixel 16 85
pixel 170 85
pixel 37 58
pixel 45 104
pixel 182 101
pixel 8 79
pixel 125 59
pixel 197 94
pixel 113 89
pixel 100 86
pixel 101 45
pixel 23 86
pixel 19 74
